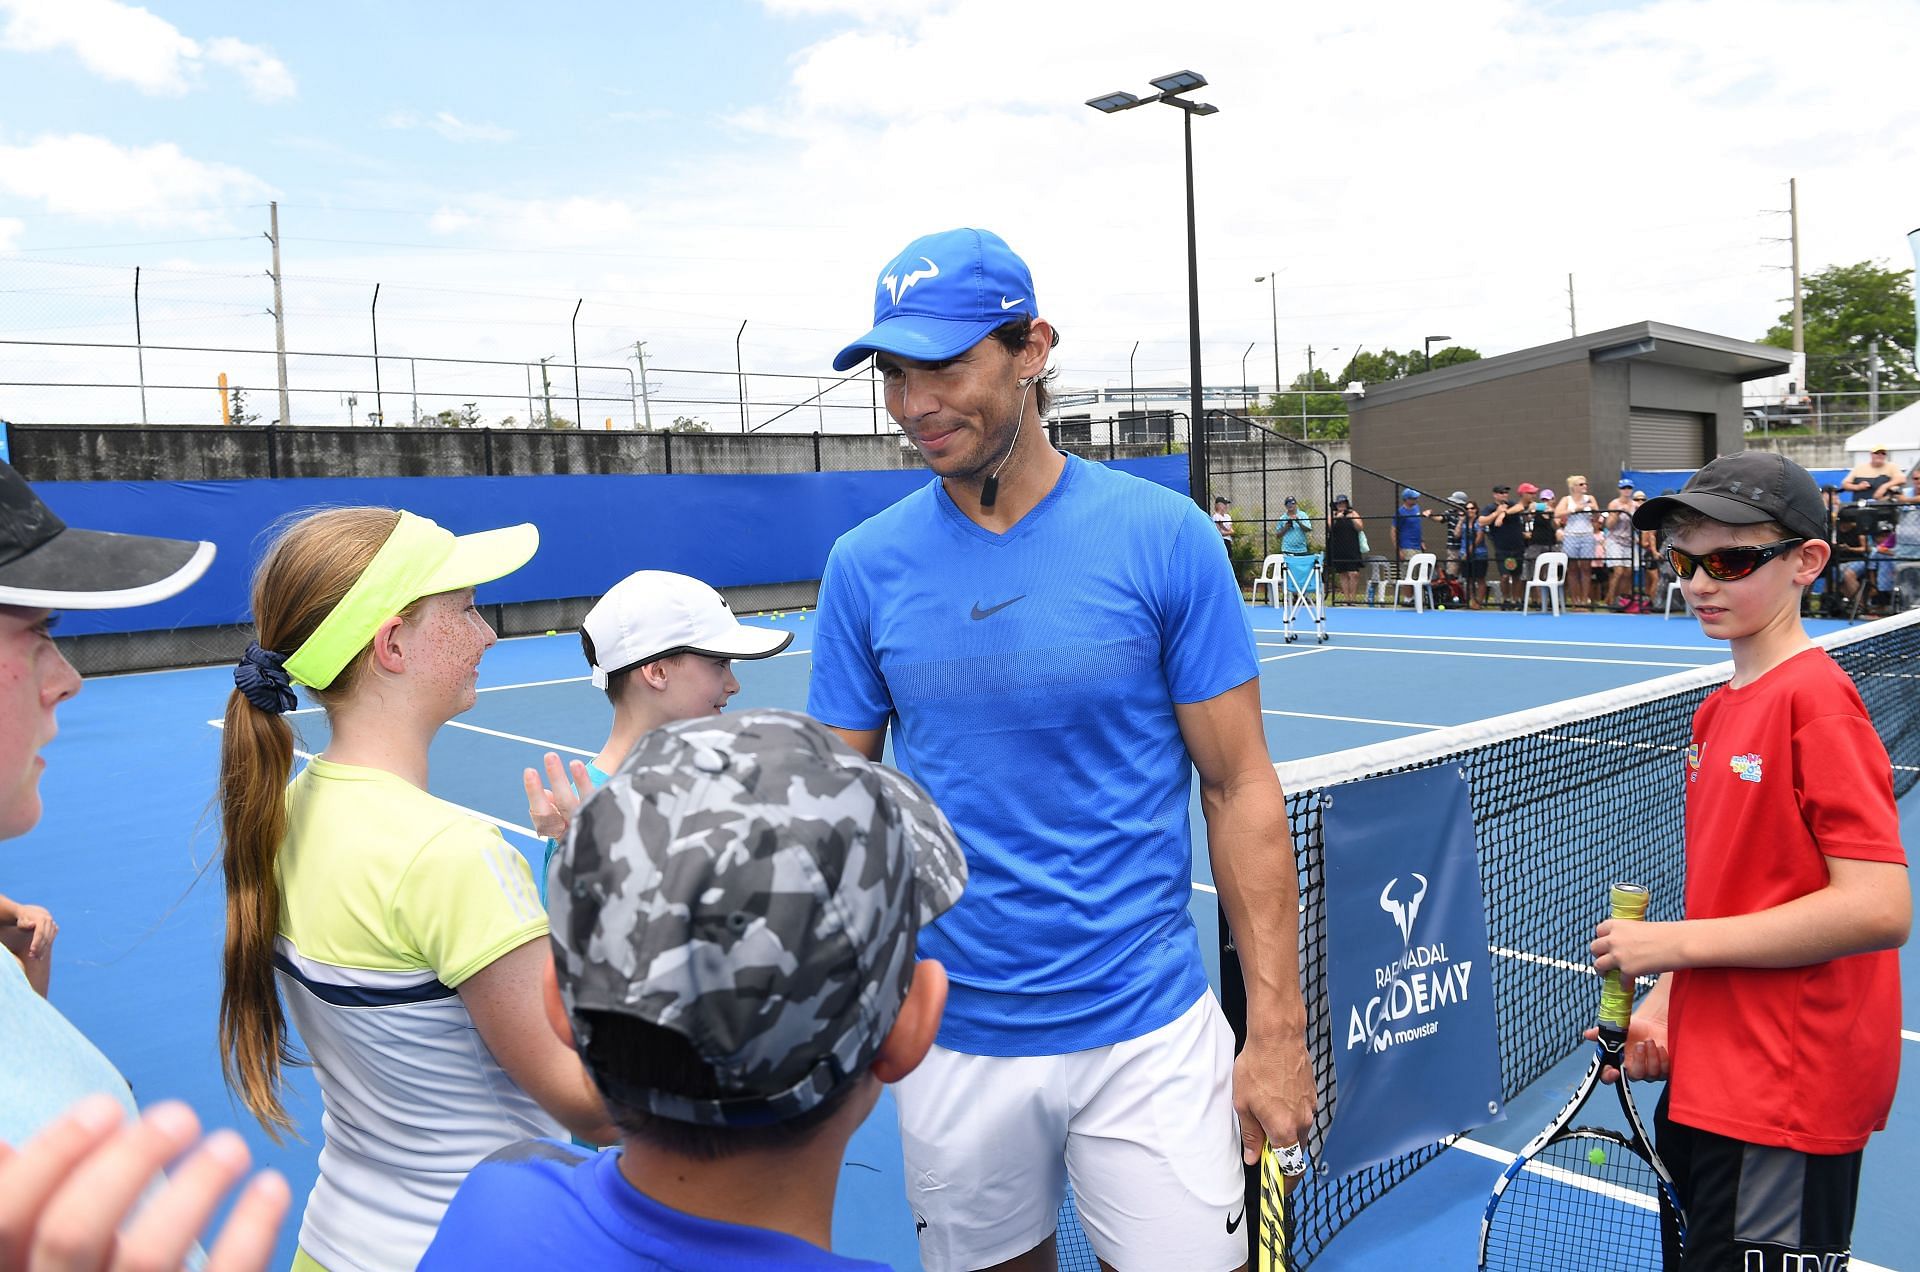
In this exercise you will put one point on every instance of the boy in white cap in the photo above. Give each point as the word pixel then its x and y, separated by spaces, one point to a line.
pixel 661 646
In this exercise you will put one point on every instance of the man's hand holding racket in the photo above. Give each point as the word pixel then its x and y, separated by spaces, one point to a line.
pixel 1273 1092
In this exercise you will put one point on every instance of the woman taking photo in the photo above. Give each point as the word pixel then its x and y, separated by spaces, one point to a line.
pixel 405 934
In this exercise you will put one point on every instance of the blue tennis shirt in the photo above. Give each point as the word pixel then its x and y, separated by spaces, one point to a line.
pixel 1030 680
pixel 543 1204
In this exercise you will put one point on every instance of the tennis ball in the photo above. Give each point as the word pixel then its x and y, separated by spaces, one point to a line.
pixel 1597 1155
pixel 552 632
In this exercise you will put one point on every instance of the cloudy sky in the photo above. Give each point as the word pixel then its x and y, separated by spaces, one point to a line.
pixel 1409 169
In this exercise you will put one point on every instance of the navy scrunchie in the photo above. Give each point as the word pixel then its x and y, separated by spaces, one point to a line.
pixel 260 677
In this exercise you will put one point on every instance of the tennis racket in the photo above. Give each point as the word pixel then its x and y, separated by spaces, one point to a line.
pixel 1271 1233
pixel 1585 1196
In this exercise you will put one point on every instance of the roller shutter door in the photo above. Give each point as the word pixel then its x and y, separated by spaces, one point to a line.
pixel 1666 439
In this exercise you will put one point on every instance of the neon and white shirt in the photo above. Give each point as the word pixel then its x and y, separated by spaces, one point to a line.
pixel 389 900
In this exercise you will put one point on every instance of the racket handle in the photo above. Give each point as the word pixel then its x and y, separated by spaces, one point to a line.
pixel 1626 901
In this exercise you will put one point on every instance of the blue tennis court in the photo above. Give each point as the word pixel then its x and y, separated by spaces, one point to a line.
pixel 126 860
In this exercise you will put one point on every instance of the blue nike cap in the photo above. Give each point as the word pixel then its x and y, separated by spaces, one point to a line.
pixel 943 294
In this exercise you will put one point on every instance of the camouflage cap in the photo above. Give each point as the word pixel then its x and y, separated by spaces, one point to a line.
pixel 753 884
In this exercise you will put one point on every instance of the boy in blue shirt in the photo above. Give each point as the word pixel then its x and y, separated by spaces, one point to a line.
pixel 735 920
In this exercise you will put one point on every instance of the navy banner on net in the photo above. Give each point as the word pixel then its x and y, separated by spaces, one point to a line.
pixel 1416 1054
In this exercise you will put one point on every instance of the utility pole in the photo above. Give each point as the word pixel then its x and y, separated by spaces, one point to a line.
pixel 546 392
pixel 1793 230
pixel 1873 381
pixel 279 311
pixel 1573 328
pixel 1303 396
pixel 640 353
pixel 139 346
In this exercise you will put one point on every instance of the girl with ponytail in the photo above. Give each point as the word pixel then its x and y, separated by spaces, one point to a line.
pixel 403 935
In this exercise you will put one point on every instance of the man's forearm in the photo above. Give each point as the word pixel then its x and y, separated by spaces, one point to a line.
pixel 1253 868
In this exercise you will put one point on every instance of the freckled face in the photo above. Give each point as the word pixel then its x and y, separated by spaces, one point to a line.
pixel 451 637
pixel 34 679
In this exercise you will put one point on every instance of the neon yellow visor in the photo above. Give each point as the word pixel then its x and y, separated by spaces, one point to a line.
pixel 418 559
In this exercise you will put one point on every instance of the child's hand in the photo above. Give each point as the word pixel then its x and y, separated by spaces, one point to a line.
pixel 551 806
pixel 66 1195
pixel 1634 948
pixel 1646 1057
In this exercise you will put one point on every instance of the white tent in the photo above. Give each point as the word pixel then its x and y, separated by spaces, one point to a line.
pixel 1899 433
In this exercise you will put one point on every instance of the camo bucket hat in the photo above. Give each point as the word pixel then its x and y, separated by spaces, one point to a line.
pixel 753 884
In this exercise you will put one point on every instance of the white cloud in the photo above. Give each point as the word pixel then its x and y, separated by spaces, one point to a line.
pixel 94 179
pixel 132 45
pixel 449 126
pixel 265 75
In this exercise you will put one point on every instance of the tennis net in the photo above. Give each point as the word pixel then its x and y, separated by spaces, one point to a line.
pixel 1567 798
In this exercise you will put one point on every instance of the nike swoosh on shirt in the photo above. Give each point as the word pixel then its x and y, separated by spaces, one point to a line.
pixel 1233 1221
pixel 991 610
pixel 1009 304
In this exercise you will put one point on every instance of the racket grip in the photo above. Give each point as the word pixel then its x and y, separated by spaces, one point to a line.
pixel 1626 901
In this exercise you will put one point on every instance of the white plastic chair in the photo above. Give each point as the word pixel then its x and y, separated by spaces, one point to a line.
pixel 1419 577
pixel 1674 589
pixel 1550 576
pixel 1270 570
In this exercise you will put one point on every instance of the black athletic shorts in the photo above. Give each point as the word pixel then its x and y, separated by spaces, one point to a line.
pixel 1754 1207
pixel 1473 568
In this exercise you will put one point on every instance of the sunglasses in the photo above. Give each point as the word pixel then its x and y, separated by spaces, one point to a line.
pixel 1728 564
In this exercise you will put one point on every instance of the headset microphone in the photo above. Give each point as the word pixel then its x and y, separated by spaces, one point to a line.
pixel 990 488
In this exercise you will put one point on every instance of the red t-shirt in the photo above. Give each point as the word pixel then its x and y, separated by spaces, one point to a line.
pixel 1782 774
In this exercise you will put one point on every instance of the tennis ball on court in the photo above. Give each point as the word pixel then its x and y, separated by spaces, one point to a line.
pixel 1597 1155
pixel 552 632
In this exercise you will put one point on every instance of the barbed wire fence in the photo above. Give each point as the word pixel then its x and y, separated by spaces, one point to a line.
pixel 94 344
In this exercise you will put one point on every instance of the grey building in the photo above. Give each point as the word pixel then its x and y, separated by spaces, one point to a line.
pixel 1636 397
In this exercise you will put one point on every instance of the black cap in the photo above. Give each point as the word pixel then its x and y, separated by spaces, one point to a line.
pixel 1743 489
pixel 1502 488
pixel 45 564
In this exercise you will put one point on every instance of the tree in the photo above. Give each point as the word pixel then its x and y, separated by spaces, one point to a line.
pixel 1323 397
pixel 686 424
pixel 1845 308
pixel 469 415
pixel 237 411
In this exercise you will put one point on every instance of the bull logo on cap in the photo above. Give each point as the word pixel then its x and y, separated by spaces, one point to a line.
pixel 898 287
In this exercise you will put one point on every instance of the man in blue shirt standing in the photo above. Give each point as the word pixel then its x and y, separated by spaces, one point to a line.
pixel 1408 536
pixel 1057 646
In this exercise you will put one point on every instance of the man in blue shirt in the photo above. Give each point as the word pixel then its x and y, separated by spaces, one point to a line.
pixel 1408 535
pixel 1056 647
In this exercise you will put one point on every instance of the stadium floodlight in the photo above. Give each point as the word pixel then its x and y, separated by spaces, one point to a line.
pixel 1179 82
pixel 1170 87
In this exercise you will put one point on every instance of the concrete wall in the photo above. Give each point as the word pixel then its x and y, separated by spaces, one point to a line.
pixel 110 452
pixel 1664 388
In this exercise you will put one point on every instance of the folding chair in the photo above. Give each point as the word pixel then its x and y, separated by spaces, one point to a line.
pixel 1301 583
pixel 1270 570
pixel 1550 576
pixel 1419 577
pixel 1674 589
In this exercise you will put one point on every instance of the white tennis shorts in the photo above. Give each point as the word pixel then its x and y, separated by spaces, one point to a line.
pixel 1144 1128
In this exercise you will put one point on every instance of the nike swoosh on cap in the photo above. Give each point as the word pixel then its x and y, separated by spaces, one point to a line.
pixel 1009 304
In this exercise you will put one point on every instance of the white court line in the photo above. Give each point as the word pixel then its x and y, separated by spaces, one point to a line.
pixel 1315 715
pixel 1318 649
pixel 1205 887
pixel 1911 1035
pixel 1515 640
pixel 1463 653
pixel 518 737
pixel 473 812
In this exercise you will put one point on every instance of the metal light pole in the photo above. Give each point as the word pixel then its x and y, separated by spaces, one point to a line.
pixel 1243 371
pixel 1429 348
pixel 1171 86
pixel 1273 301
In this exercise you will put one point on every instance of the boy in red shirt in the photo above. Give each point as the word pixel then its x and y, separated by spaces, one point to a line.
pixel 1776 1018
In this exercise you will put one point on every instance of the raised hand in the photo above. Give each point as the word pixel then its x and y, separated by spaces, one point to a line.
pixel 551 805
